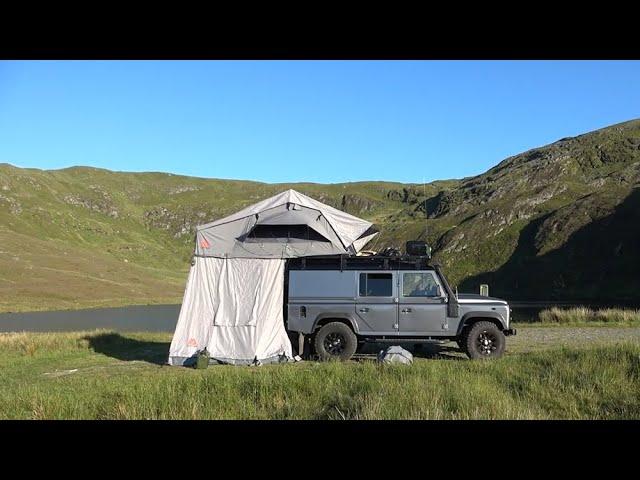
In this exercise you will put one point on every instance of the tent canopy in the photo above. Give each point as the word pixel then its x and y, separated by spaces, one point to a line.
pixel 233 300
pixel 286 225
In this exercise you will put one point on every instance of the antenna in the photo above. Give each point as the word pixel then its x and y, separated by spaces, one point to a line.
pixel 424 193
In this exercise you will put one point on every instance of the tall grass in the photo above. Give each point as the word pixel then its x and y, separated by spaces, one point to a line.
pixel 105 375
pixel 584 315
pixel 30 343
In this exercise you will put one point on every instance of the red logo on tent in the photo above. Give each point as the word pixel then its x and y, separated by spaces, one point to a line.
pixel 192 342
pixel 204 243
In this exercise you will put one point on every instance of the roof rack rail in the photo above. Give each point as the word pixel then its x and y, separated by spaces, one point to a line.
pixel 372 262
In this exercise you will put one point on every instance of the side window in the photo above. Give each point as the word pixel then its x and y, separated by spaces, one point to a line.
pixel 419 284
pixel 376 284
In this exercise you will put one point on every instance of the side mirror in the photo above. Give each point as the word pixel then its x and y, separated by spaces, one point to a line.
pixel 438 291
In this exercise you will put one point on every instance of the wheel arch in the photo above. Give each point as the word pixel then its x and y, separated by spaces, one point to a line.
pixel 325 318
pixel 470 318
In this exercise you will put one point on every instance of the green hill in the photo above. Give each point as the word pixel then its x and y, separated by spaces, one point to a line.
pixel 560 221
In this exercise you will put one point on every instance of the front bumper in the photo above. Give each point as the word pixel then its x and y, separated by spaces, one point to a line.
pixel 509 331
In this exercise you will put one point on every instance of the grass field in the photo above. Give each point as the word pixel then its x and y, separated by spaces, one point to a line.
pixel 106 375
pixel 587 316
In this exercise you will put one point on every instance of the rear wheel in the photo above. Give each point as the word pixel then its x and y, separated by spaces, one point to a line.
pixel 484 340
pixel 335 341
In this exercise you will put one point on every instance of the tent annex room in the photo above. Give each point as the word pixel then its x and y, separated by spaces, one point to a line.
pixel 233 301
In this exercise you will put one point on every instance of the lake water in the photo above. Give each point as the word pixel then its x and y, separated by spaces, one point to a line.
pixel 140 318
pixel 163 318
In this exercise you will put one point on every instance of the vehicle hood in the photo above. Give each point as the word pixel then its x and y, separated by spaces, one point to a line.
pixel 476 298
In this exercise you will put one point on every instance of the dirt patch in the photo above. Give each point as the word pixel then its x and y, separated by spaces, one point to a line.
pixel 539 338
pixel 527 340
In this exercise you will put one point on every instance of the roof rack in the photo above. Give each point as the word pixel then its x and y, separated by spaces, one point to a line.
pixel 371 262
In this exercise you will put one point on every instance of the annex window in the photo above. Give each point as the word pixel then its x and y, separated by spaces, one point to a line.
pixel 376 284
pixel 263 233
pixel 419 284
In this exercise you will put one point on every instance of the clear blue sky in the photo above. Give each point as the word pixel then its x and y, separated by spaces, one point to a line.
pixel 319 121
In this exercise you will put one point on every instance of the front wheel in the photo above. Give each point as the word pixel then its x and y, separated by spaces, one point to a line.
pixel 484 340
pixel 335 341
pixel 461 341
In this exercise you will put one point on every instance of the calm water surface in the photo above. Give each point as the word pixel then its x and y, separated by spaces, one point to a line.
pixel 139 318
pixel 163 318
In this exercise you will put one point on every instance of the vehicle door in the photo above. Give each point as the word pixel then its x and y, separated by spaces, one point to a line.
pixel 422 304
pixel 377 302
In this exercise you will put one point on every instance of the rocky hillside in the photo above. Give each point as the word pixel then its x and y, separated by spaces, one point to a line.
pixel 560 221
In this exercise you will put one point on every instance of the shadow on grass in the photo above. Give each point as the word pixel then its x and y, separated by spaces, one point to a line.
pixel 448 351
pixel 128 349
pixel 429 350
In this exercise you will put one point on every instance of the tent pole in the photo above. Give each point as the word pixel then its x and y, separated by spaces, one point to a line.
pixel 301 344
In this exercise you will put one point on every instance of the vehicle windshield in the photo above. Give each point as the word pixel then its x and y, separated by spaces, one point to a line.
pixel 445 282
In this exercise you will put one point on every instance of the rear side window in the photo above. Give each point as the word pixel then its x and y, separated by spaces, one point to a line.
pixel 376 284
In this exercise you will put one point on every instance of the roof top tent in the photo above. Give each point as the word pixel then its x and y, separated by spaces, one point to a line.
pixel 233 299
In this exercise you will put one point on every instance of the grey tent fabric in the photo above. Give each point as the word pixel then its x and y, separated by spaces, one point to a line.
pixel 234 295
pixel 233 307
pixel 395 354
pixel 287 225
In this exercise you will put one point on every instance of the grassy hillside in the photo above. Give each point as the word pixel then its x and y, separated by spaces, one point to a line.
pixel 561 221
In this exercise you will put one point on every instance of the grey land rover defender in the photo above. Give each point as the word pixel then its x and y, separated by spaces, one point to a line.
pixel 337 303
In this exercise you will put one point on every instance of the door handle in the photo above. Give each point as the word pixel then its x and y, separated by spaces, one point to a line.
pixel 406 310
pixel 364 310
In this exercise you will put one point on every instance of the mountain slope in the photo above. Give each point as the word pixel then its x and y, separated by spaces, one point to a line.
pixel 558 221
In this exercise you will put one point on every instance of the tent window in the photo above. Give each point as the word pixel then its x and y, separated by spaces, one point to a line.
pixel 279 233
pixel 376 284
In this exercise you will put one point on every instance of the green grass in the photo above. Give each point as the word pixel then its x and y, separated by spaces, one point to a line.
pixel 586 316
pixel 519 325
pixel 104 375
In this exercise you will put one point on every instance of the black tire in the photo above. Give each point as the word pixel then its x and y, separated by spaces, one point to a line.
pixel 462 340
pixel 335 341
pixel 484 340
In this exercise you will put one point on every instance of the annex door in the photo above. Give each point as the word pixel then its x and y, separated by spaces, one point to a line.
pixel 422 306
pixel 377 303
